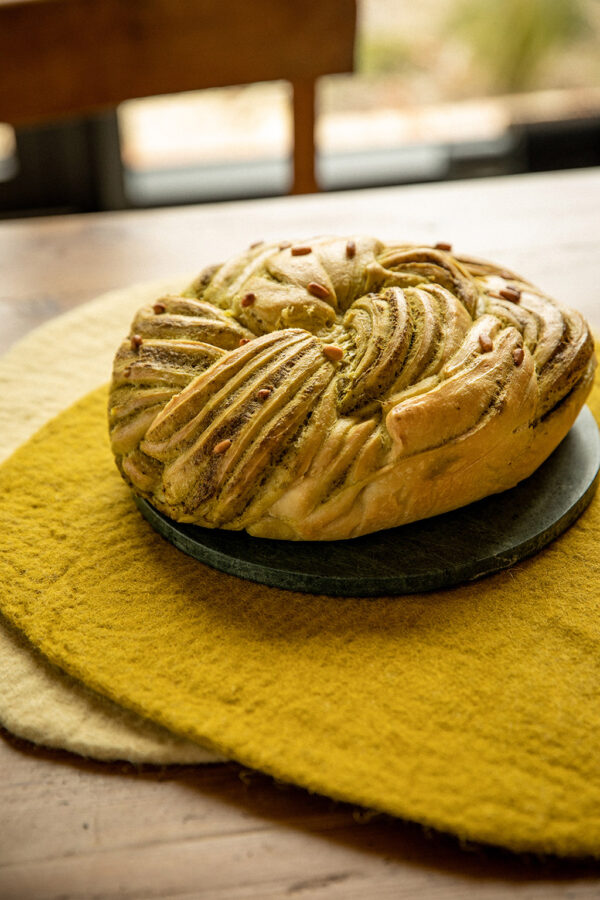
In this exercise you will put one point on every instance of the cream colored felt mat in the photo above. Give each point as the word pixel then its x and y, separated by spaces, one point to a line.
pixel 42 704
pixel 474 710
pixel 41 375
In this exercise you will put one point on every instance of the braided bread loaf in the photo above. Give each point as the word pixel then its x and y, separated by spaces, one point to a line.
pixel 325 390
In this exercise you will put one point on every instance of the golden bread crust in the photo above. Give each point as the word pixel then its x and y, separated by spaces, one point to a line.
pixel 328 389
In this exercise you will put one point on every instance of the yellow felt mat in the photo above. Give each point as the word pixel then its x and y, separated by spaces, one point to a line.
pixel 474 710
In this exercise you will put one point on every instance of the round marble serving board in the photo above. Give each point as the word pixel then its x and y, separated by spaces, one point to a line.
pixel 459 546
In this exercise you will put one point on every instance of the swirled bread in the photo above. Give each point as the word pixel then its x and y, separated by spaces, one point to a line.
pixel 325 390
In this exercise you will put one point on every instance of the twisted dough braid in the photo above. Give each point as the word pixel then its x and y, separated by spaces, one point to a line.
pixel 325 390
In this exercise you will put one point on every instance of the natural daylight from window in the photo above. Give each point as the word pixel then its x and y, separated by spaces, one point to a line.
pixel 437 72
pixel 441 89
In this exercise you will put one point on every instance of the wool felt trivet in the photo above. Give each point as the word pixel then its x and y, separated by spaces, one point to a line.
pixel 41 704
pixel 473 710
pixel 41 375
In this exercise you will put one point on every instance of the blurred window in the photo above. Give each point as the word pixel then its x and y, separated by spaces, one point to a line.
pixel 442 89
pixel 223 142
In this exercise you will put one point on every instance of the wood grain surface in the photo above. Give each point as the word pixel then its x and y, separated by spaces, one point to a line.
pixel 71 828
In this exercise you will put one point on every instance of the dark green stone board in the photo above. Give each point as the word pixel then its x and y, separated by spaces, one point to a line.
pixel 459 546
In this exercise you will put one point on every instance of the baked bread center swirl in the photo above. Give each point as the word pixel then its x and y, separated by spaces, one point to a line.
pixel 327 389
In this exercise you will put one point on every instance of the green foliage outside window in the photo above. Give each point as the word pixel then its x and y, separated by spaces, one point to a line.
pixel 512 39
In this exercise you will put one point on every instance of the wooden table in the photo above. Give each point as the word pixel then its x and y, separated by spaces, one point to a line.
pixel 71 828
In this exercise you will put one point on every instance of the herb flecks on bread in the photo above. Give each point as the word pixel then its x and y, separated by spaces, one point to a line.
pixel 324 389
